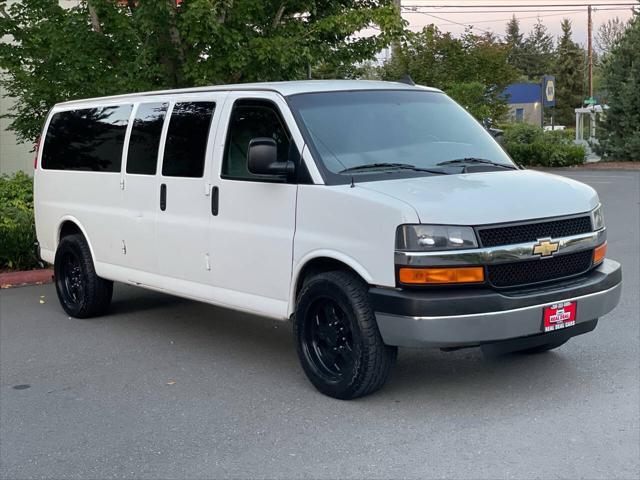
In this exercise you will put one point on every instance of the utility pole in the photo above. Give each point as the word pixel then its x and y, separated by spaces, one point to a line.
pixel 590 43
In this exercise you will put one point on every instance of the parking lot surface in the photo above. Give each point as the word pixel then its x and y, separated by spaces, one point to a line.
pixel 168 388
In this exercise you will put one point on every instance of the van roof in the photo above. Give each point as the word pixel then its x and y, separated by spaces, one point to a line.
pixel 283 88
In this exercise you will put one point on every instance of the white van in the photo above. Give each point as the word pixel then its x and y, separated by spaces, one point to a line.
pixel 372 214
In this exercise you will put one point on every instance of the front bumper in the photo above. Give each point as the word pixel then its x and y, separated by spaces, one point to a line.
pixel 476 316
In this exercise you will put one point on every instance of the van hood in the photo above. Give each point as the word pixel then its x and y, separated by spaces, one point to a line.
pixel 489 197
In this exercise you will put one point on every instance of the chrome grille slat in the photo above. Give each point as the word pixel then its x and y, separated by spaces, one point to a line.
pixel 492 236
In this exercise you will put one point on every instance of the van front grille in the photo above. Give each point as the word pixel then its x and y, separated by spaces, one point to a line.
pixel 530 232
pixel 539 270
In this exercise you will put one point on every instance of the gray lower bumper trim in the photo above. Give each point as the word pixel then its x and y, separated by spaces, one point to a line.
pixel 477 328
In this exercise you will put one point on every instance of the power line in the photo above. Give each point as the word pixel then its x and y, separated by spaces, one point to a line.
pixel 538 6
pixel 558 13
pixel 471 25
pixel 411 9
pixel 461 24
pixel 414 9
pixel 567 12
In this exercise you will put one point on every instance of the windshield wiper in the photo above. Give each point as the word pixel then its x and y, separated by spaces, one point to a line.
pixel 389 166
pixel 484 161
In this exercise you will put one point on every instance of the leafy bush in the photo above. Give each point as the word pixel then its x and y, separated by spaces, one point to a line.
pixel 529 145
pixel 17 227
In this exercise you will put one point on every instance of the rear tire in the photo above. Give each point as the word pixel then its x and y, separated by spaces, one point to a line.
pixel 337 337
pixel 81 292
pixel 543 348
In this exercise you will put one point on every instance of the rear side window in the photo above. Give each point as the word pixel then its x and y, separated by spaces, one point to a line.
pixel 86 139
pixel 186 145
pixel 144 143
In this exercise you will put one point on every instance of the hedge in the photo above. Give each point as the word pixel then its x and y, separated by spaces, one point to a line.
pixel 17 227
pixel 529 145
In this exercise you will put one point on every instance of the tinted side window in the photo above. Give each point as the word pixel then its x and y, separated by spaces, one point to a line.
pixel 251 120
pixel 86 139
pixel 186 144
pixel 145 138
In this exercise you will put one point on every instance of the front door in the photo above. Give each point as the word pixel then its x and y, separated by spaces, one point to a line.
pixel 252 232
pixel 184 195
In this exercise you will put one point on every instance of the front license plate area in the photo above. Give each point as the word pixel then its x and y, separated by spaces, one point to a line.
pixel 558 316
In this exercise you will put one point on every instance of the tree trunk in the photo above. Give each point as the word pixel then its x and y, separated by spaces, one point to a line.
pixel 278 16
pixel 176 61
pixel 95 20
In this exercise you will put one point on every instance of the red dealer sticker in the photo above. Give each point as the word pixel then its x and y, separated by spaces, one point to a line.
pixel 559 316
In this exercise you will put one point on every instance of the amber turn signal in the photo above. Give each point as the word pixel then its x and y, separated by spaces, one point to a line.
pixel 438 276
pixel 599 252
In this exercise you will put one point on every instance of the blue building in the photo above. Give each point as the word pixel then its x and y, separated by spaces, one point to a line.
pixel 524 101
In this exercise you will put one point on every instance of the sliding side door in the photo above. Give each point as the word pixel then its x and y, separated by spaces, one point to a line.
pixel 184 195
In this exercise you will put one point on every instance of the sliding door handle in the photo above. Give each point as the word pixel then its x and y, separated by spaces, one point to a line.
pixel 214 200
pixel 163 197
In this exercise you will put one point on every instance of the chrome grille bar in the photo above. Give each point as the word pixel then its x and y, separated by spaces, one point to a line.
pixel 500 254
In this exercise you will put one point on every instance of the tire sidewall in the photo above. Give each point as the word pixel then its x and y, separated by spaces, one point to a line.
pixel 317 288
pixel 70 245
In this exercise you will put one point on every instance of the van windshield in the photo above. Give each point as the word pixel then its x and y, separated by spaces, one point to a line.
pixel 357 132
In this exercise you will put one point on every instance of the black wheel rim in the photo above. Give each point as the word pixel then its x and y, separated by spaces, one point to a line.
pixel 328 340
pixel 72 279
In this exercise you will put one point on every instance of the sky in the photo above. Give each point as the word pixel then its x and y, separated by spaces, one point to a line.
pixel 449 18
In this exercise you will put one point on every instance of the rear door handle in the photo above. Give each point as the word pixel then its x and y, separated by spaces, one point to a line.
pixel 214 200
pixel 163 197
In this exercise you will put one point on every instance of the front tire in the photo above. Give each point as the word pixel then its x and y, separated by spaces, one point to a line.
pixel 337 337
pixel 81 292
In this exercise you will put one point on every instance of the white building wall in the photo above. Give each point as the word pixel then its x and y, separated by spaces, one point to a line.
pixel 16 156
pixel 532 112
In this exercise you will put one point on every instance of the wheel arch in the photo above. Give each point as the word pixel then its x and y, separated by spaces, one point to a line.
pixel 69 225
pixel 319 262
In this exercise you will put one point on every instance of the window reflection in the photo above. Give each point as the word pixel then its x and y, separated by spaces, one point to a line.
pixel 86 139
pixel 144 143
pixel 186 145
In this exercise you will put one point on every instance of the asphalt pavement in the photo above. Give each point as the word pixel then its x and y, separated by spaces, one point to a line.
pixel 168 388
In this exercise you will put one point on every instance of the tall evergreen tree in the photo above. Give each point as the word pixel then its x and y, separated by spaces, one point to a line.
pixel 513 35
pixel 537 52
pixel 619 134
pixel 569 71
pixel 514 38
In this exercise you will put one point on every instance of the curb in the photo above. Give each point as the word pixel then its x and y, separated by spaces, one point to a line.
pixel 25 278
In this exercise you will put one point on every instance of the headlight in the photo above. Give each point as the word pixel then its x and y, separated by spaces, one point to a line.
pixel 597 218
pixel 431 238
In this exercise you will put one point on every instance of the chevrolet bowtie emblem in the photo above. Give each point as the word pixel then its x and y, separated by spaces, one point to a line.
pixel 545 248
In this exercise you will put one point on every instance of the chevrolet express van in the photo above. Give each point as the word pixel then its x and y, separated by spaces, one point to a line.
pixel 372 215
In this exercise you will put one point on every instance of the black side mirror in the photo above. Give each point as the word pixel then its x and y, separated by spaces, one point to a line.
pixel 497 134
pixel 262 158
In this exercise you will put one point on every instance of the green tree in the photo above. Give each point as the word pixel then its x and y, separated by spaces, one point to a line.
pixel 537 52
pixel 619 134
pixel 473 69
pixel 514 39
pixel 569 71
pixel 608 35
pixel 101 47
